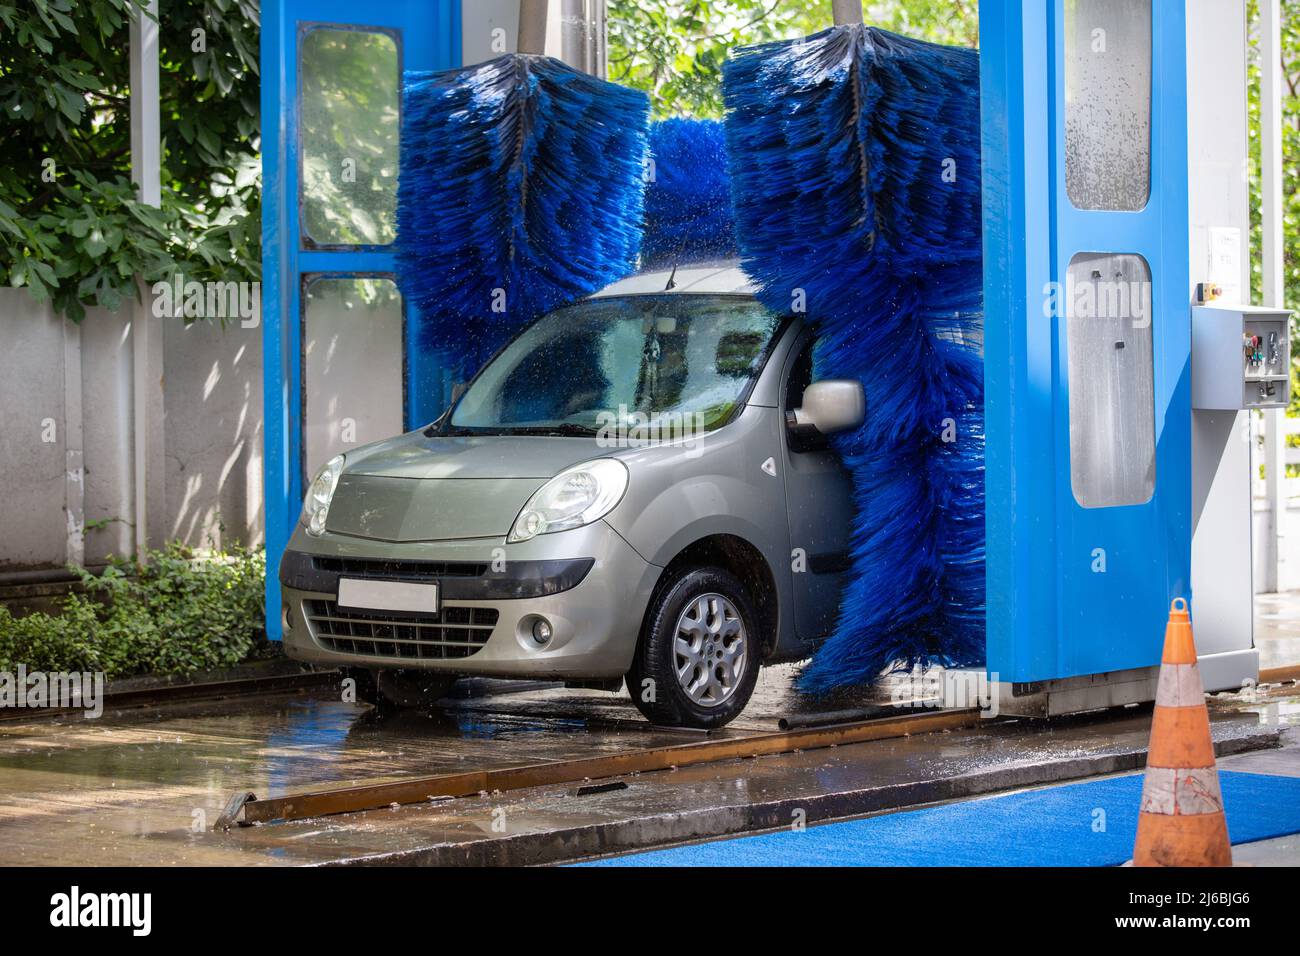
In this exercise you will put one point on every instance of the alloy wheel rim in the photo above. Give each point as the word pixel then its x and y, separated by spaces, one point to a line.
pixel 709 650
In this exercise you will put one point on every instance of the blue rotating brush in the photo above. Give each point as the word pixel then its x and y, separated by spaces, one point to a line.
pixel 520 189
pixel 688 197
pixel 854 157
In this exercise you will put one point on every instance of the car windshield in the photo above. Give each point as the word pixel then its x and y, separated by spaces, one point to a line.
pixel 624 361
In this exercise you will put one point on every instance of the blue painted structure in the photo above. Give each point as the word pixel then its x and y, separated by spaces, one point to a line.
pixel 1049 613
pixel 427 35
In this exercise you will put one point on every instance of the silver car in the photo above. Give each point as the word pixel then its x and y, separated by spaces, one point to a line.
pixel 637 487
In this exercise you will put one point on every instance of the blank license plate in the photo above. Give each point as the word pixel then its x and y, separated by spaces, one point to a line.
pixel 388 596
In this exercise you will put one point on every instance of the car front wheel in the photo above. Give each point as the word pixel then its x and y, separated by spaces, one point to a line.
pixel 697 659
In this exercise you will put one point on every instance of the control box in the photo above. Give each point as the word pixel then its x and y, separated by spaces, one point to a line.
pixel 1241 357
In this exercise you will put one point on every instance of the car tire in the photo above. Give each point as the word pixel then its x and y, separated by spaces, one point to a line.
pixel 706 679
pixel 410 690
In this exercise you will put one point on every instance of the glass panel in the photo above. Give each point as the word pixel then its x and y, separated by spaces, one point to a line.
pixel 352 366
pixel 349 113
pixel 1108 103
pixel 1112 380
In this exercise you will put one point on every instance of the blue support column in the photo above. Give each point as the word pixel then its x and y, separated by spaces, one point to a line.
pixel 428 34
pixel 1075 590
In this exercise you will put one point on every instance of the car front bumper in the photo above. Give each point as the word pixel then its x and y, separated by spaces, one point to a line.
pixel 589 584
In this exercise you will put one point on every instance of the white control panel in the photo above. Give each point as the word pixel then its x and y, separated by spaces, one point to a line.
pixel 1241 357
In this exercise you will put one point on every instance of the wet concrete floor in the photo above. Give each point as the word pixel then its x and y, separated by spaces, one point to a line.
pixel 143 786
pixel 1277 628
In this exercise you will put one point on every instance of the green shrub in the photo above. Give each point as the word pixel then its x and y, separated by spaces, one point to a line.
pixel 175 614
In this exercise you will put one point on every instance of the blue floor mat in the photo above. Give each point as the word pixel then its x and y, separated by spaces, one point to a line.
pixel 1081 824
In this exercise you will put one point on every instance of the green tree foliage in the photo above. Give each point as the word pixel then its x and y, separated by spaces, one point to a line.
pixel 71 230
pixel 674 49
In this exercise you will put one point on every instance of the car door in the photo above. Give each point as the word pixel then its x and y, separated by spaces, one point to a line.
pixel 819 506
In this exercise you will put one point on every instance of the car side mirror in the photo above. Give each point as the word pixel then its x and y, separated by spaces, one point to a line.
pixel 830 406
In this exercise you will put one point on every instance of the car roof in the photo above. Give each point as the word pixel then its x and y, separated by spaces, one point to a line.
pixel 723 277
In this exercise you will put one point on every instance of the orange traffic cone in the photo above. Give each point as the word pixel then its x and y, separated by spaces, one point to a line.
pixel 1182 822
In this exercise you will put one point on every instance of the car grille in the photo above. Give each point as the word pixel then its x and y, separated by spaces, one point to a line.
pixel 451 634
pixel 404 570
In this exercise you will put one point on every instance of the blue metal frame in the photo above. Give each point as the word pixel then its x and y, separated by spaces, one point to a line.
pixel 429 31
pixel 1050 614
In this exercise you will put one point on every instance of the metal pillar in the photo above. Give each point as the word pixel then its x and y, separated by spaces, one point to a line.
pixel 582 35
pixel 846 11
pixel 1274 291
pixel 146 336
pixel 532 26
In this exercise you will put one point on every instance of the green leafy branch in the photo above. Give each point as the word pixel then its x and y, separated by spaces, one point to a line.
pixel 72 230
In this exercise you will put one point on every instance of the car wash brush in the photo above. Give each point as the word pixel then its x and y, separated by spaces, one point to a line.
pixel 854 158
pixel 520 189
pixel 688 195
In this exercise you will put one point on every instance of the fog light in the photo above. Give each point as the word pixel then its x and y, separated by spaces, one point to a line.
pixel 542 631
pixel 286 619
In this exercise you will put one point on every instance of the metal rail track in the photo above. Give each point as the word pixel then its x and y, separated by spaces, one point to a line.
pixel 245 809
pixel 1280 675
pixel 184 693
pixel 238 687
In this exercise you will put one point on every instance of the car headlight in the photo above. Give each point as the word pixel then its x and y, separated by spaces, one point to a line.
pixel 316 507
pixel 575 497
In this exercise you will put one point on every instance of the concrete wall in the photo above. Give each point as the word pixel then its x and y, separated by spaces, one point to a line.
pixel 105 368
pixel 213 432
pixel 66 397
pixel 32 454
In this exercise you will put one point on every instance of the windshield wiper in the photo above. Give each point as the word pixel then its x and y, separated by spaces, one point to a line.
pixel 564 429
